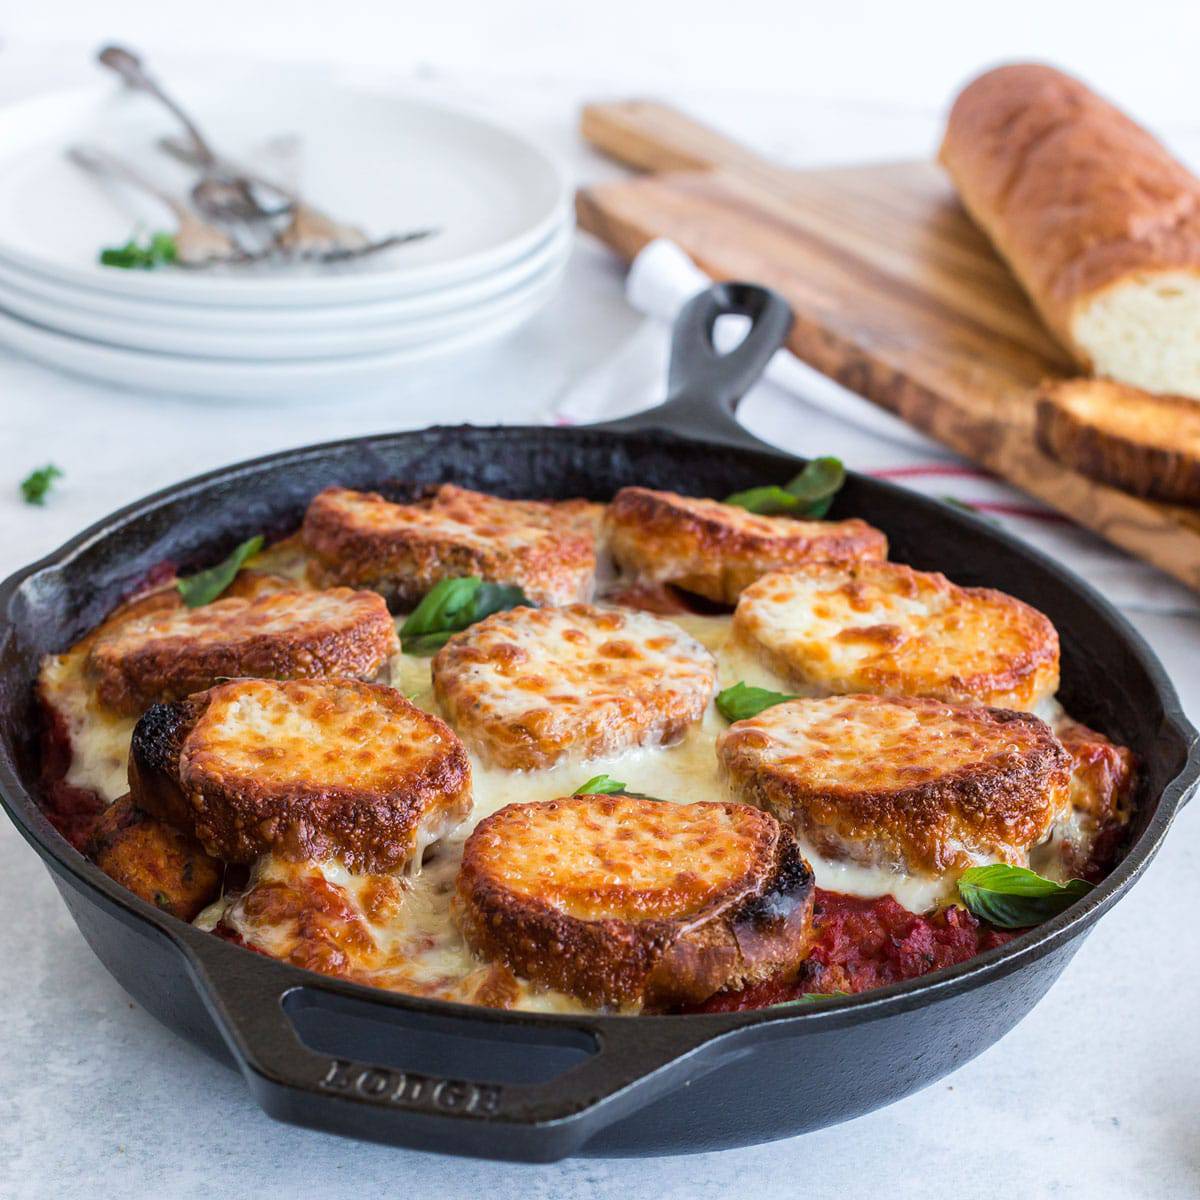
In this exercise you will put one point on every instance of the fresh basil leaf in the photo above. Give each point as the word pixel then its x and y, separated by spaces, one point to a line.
pixel 599 785
pixel 770 501
pixel 809 494
pixel 603 785
pixel 205 586
pixel 450 606
pixel 741 701
pixel 1015 897
pixel 37 483
pixel 497 597
pixel 809 998
pixel 442 607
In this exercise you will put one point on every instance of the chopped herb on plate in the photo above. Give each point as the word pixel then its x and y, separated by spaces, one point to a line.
pixel 157 251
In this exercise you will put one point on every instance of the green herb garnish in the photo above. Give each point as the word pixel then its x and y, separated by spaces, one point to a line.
pixel 450 606
pixel 741 701
pixel 158 251
pixel 1015 897
pixel 808 998
pixel 603 785
pixel 810 494
pixel 37 483
pixel 205 586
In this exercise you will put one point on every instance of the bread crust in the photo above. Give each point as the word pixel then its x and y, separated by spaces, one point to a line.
pixel 716 550
pixel 635 927
pixel 889 629
pixel 304 769
pixel 285 634
pixel 154 860
pixel 1075 196
pixel 1120 435
pixel 527 687
pixel 906 784
pixel 361 539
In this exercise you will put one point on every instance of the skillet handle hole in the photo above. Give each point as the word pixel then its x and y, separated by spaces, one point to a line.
pixel 456 1047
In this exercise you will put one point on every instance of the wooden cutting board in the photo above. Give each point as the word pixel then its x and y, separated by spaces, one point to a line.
pixel 897 296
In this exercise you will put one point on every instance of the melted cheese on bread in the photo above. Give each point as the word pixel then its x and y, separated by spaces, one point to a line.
pixel 915 786
pixel 286 634
pixel 527 687
pixel 885 628
pixel 402 550
pixel 715 549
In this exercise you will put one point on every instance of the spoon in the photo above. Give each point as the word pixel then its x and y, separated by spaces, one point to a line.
pixel 197 243
pixel 239 199
pixel 309 233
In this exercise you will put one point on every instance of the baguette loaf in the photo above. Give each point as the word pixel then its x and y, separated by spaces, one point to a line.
pixel 1148 445
pixel 1096 219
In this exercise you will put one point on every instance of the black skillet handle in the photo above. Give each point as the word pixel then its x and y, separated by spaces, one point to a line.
pixel 618 1064
pixel 704 385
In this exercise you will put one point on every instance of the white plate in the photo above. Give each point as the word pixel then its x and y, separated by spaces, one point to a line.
pixel 267 347
pixel 237 342
pixel 20 283
pixel 290 379
pixel 382 161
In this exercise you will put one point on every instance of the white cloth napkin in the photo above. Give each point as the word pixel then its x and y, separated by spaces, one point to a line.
pixel 800 410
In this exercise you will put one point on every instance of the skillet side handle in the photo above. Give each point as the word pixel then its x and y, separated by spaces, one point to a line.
pixel 704 385
pixel 629 1062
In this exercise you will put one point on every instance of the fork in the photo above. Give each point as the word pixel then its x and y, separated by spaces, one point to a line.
pixel 197 243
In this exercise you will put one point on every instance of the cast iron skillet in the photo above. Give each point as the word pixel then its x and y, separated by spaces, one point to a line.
pixel 345 1058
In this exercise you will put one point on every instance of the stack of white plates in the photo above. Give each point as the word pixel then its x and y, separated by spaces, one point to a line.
pixel 499 206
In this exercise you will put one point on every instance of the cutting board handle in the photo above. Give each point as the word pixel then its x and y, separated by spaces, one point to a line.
pixel 650 136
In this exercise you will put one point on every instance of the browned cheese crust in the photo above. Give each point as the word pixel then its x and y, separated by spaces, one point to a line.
pixel 288 634
pixel 1123 436
pixel 911 785
pixel 154 860
pixel 888 629
pixel 305 769
pixel 716 550
pixel 527 687
pixel 635 903
pixel 1073 194
pixel 401 550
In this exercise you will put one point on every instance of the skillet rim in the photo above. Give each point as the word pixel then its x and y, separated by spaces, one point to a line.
pixel 895 998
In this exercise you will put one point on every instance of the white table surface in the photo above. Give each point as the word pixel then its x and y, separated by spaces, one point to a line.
pixel 1093 1095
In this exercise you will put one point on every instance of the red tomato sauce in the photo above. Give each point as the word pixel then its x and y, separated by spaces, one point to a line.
pixel 863 944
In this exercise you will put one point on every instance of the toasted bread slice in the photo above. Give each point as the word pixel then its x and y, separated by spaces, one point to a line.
pixel 289 634
pixel 91 737
pixel 402 550
pixel 1144 443
pixel 907 785
pixel 885 628
pixel 306 769
pixel 527 687
pixel 635 903
pixel 716 550
pixel 153 860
